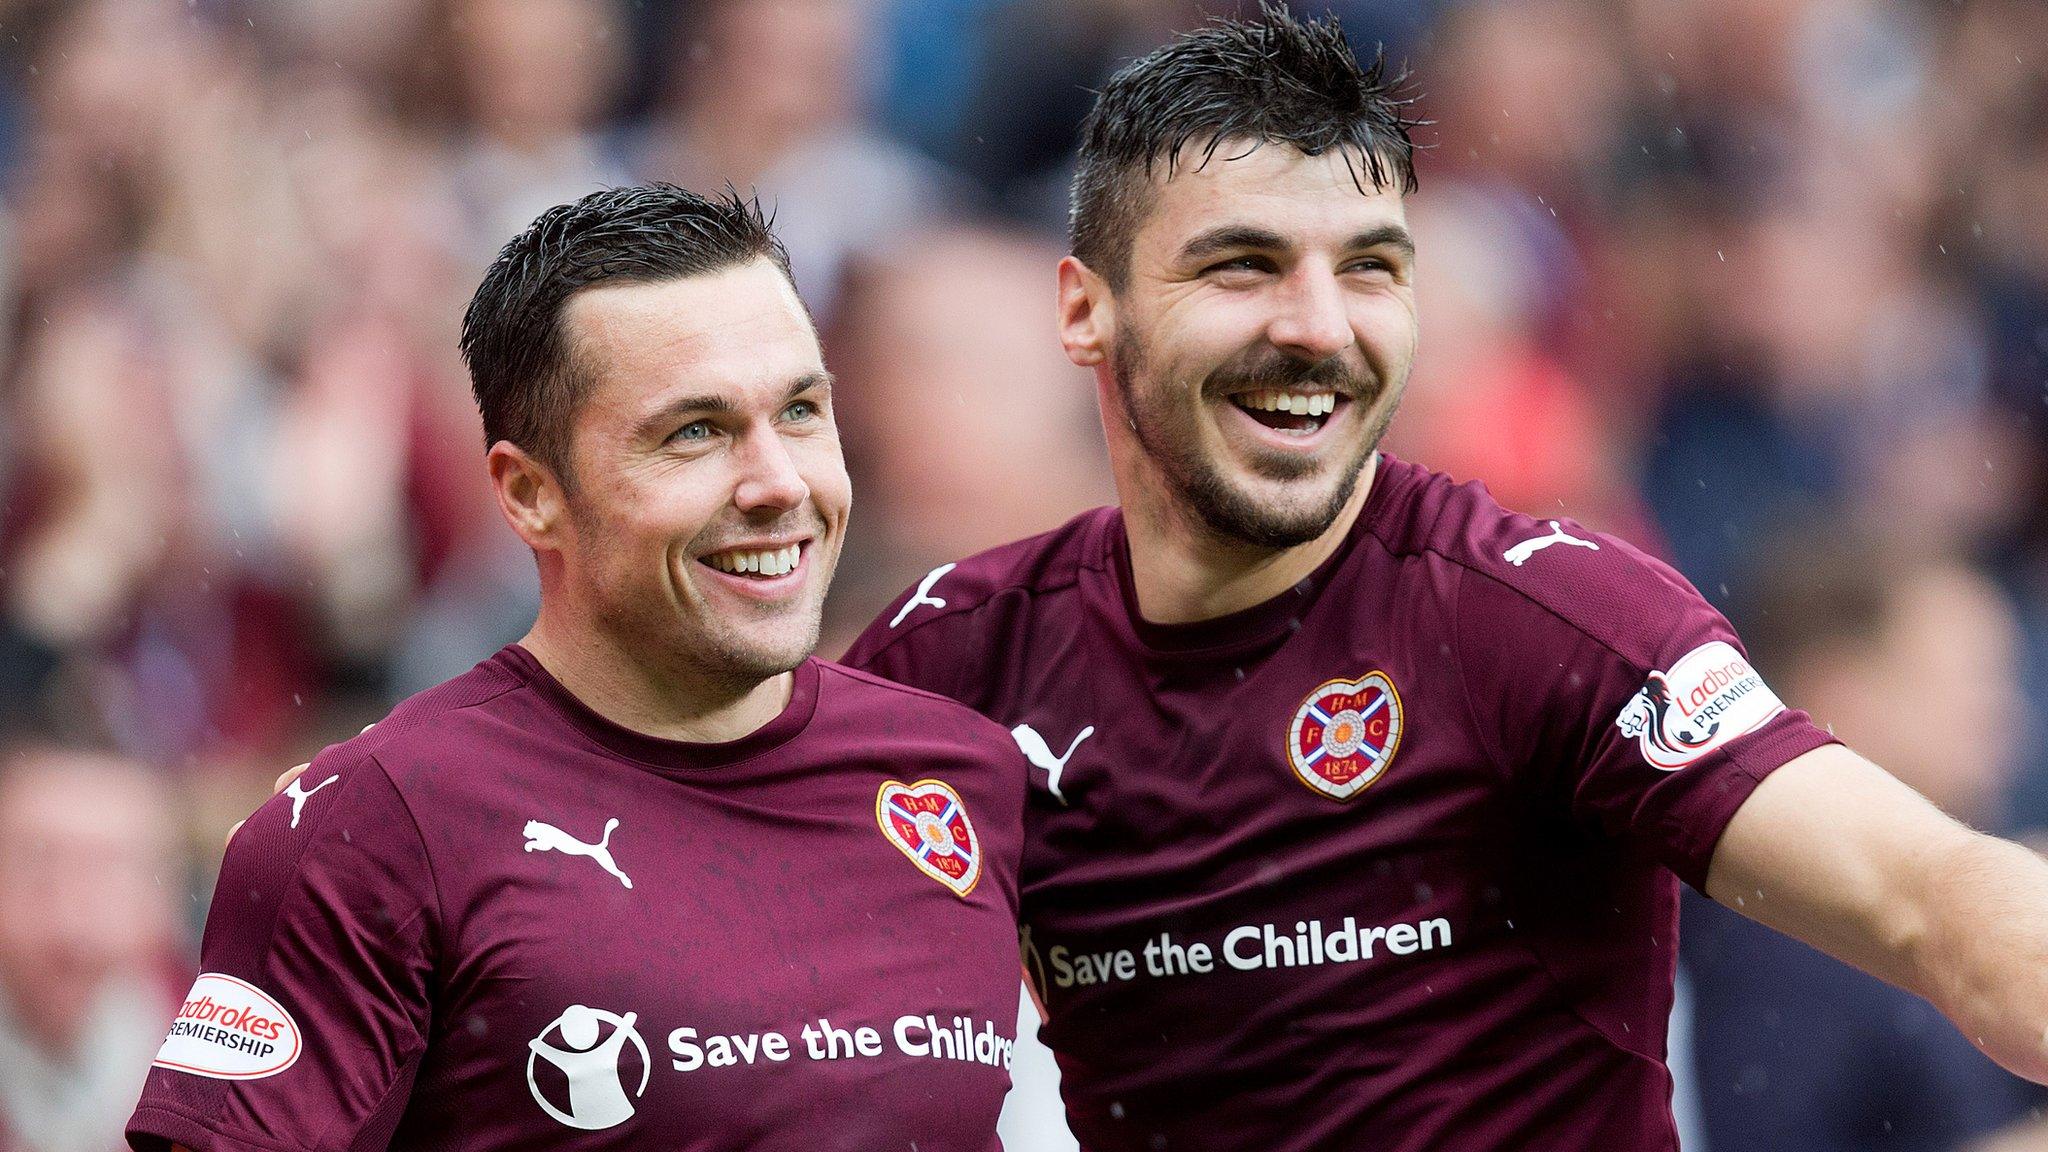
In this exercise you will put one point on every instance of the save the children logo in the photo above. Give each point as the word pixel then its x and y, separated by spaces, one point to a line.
pixel 229 1029
pixel 1710 696
pixel 578 1056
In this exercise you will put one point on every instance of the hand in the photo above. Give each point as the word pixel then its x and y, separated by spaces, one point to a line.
pixel 283 781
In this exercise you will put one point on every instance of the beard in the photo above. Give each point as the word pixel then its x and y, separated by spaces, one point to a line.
pixel 1164 422
pixel 727 652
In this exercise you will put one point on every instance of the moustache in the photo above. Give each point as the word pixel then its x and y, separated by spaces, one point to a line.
pixel 1285 373
pixel 718 537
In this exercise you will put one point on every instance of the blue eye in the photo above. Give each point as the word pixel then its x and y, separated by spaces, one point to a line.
pixel 801 410
pixel 696 430
pixel 1242 264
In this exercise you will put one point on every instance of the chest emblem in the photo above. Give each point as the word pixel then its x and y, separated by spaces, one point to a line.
pixel 927 823
pixel 1041 755
pixel 544 837
pixel 1345 734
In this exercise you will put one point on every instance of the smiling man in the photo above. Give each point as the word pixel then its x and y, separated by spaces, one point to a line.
pixel 1372 793
pixel 651 877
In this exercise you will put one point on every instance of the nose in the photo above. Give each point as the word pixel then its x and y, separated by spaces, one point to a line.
pixel 769 478
pixel 1313 323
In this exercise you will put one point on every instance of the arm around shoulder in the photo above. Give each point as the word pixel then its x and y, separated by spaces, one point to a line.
pixel 1834 851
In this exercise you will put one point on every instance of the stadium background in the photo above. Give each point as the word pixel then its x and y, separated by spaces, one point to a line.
pixel 1760 284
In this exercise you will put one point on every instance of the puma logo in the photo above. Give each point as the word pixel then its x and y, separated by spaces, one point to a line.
pixel 1520 553
pixel 301 795
pixel 544 837
pixel 1039 752
pixel 923 595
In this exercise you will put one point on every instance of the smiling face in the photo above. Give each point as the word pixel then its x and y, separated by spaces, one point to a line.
pixel 1262 338
pixel 709 496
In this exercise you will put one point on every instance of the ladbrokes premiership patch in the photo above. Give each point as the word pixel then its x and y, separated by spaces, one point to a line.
pixel 1709 697
pixel 229 1029
pixel 927 822
pixel 1345 734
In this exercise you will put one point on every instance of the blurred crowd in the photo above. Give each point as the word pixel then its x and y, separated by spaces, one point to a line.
pixel 1759 284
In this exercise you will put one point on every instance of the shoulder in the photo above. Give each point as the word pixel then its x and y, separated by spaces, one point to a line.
pixel 1017 573
pixel 881 701
pixel 1526 571
pixel 424 726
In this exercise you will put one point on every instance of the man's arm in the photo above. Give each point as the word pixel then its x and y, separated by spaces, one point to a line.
pixel 1832 850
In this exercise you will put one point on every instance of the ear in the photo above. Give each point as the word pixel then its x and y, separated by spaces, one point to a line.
pixel 529 495
pixel 1087 314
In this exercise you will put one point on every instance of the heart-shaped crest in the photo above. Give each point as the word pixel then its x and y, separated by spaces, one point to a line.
pixel 1345 734
pixel 927 822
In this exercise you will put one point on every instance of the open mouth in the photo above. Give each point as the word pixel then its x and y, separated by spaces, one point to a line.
pixel 762 564
pixel 1290 412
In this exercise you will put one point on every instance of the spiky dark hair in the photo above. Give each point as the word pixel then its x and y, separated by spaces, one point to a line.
pixel 521 365
pixel 1273 80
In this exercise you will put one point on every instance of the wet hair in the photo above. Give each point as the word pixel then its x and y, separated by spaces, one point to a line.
pixel 1273 80
pixel 522 365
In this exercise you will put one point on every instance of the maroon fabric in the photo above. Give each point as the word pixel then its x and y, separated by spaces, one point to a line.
pixel 1510 866
pixel 432 914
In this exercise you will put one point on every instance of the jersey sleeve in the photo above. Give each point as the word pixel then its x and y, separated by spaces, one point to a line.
pixel 310 1015
pixel 912 653
pixel 1605 683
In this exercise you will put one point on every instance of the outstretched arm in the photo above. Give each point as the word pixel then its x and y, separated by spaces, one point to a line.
pixel 1834 851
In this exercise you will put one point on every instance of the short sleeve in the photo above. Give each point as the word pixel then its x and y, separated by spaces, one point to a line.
pixel 907 652
pixel 308 1020
pixel 1627 698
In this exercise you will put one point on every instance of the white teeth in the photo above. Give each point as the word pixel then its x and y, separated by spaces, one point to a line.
pixel 1293 403
pixel 776 563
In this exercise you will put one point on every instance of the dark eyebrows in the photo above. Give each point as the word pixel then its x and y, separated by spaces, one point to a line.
pixel 1246 237
pixel 808 382
pixel 661 422
pixel 1230 238
pixel 1388 234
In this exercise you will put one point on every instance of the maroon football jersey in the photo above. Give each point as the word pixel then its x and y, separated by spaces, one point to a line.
pixel 1386 862
pixel 499 921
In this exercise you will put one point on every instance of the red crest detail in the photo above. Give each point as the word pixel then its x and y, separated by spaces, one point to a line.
pixel 927 822
pixel 1345 734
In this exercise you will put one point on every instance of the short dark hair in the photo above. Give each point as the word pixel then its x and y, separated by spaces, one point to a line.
pixel 1274 80
pixel 521 365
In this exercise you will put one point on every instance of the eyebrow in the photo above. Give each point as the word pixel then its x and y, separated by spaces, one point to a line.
pixel 657 423
pixel 1240 237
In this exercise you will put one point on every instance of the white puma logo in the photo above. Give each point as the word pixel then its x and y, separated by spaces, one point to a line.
pixel 1520 553
pixel 1039 752
pixel 301 795
pixel 545 837
pixel 924 593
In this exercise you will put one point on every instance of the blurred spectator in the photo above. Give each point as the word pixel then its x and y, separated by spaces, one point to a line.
pixel 771 95
pixel 89 894
pixel 965 424
pixel 536 79
pixel 1909 657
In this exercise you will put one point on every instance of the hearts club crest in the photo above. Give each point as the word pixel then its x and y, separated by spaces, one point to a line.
pixel 927 822
pixel 1345 734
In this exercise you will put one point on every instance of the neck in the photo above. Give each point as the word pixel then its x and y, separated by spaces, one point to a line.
pixel 1184 571
pixel 654 700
